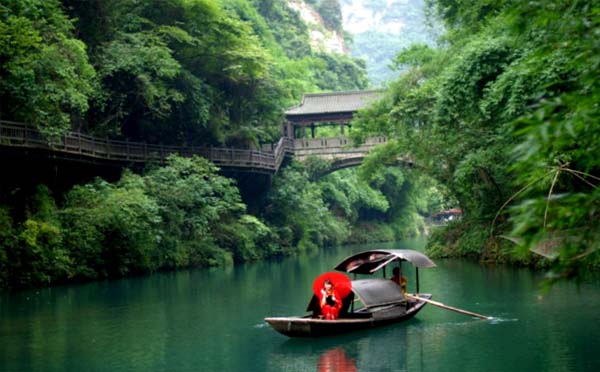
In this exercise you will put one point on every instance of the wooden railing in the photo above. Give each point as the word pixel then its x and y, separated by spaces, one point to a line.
pixel 21 135
pixel 269 158
pixel 285 146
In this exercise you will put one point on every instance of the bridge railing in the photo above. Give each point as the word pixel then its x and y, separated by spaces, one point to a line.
pixel 335 142
pixel 269 158
pixel 240 158
pixel 283 147
pixel 21 135
pixel 336 147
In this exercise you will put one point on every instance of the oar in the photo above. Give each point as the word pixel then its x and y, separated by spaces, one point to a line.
pixel 439 304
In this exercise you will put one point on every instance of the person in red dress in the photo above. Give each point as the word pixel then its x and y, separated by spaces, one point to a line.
pixel 331 302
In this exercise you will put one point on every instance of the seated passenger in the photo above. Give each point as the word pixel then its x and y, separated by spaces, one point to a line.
pixel 330 301
pixel 400 280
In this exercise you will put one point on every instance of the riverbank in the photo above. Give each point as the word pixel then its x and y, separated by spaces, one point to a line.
pixel 470 239
pixel 184 214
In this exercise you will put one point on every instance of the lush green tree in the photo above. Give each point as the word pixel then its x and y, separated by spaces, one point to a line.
pixel 301 216
pixel 503 114
pixel 137 73
pixel 34 253
pixel 45 77
pixel 331 11
pixel 286 27
pixel 194 204
pixel 377 203
pixel 110 229
pixel 178 215
pixel 196 62
pixel 558 137
pixel 342 73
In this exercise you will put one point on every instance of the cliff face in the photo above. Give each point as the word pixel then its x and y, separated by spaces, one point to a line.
pixel 382 28
pixel 310 34
pixel 322 38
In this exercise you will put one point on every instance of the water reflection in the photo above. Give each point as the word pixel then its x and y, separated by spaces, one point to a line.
pixel 378 349
pixel 336 360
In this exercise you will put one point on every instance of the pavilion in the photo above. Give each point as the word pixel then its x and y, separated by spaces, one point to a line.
pixel 319 109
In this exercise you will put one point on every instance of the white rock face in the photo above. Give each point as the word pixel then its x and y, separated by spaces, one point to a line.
pixel 307 13
pixel 321 39
pixel 380 28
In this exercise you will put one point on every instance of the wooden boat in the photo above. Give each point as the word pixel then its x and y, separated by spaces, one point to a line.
pixel 383 301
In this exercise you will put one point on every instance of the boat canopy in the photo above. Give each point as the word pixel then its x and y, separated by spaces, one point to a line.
pixel 377 292
pixel 368 262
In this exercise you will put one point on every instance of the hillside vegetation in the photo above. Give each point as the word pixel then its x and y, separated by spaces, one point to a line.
pixel 172 72
pixel 192 72
pixel 505 115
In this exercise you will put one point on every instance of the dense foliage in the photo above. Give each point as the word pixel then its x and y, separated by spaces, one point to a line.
pixel 172 72
pixel 331 11
pixel 506 116
pixel 178 71
pixel 179 215
pixel 183 214
pixel 359 206
pixel 45 75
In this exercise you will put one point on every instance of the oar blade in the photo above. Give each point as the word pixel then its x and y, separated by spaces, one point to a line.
pixel 451 308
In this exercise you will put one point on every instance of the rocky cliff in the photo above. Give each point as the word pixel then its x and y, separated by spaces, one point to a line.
pixel 322 37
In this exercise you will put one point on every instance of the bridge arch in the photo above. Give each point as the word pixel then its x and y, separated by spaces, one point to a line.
pixel 340 164
pixel 339 152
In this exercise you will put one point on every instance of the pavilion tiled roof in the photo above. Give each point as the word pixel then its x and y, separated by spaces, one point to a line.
pixel 320 103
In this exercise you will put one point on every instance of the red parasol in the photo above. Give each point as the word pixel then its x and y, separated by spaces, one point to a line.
pixel 341 283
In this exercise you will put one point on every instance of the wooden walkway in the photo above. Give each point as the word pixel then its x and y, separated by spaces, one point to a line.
pixel 268 159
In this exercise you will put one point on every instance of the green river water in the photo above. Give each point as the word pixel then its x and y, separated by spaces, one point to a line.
pixel 212 320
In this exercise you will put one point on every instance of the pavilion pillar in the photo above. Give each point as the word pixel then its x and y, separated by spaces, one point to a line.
pixel 342 128
pixel 289 130
pixel 312 130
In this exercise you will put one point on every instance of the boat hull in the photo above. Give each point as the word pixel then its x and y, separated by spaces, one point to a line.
pixel 312 327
